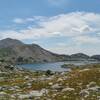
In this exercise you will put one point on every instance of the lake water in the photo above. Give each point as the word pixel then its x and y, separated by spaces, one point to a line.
pixel 52 66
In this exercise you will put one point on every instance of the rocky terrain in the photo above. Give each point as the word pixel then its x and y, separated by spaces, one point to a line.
pixel 81 83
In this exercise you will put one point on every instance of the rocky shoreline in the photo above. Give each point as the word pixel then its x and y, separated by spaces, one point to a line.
pixel 78 84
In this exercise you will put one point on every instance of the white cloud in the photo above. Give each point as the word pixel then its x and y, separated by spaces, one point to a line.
pixel 69 25
pixel 81 27
pixel 31 19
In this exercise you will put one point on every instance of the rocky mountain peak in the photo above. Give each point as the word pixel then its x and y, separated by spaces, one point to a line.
pixel 8 42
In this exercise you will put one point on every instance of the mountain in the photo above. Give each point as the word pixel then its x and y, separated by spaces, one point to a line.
pixel 15 51
pixel 79 56
pixel 9 43
pixel 97 57
pixel 18 52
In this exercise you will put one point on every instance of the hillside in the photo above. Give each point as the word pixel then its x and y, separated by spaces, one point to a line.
pixel 15 51
pixel 79 56
pixel 96 57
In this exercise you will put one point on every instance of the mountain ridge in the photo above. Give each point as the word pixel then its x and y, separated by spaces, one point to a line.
pixel 16 51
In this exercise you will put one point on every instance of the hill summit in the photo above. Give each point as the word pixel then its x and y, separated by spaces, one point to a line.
pixel 16 51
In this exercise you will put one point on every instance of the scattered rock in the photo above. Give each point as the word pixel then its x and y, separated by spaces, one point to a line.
pixel 50 83
pixel 57 86
pixel 68 89
pixel 91 84
pixel 84 93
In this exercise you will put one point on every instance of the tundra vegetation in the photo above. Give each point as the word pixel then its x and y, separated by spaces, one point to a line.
pixel 80 83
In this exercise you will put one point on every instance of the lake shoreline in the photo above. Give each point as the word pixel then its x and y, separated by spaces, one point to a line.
pixel 54 66
pixel 79 83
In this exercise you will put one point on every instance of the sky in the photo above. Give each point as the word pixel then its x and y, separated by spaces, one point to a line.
pixel 61 26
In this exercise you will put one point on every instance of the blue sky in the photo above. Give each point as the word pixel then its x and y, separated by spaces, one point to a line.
pixel 61 26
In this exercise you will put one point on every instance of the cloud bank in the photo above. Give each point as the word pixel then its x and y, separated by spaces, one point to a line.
pixel 80 27
pixel 74 25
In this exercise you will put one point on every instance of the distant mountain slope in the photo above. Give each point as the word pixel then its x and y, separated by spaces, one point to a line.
pixel 79 56
pixel 16 51
pixel 96 57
